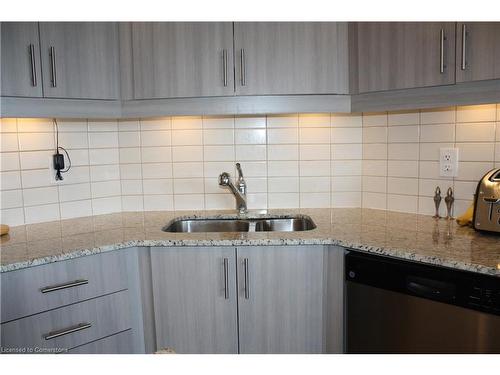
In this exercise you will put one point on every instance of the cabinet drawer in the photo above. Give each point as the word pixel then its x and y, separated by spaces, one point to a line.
pixel 121 343
pixel 36 289
pixel 69 326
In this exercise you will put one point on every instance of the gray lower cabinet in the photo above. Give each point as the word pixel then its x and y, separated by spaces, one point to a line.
pixel 280 301
pixel 194 294
pixel 182 59
pixel 80 60
pixel 20 64
pixel 400 55
pixel 120 343
pixel 291 58
pixel 478 51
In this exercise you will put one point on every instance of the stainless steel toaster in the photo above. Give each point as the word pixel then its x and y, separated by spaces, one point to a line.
pixel 487 205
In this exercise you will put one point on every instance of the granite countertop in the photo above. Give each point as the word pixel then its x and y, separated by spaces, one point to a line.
pixel 406 236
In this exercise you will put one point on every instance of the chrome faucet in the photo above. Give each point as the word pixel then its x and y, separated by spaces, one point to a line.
pixel 239 191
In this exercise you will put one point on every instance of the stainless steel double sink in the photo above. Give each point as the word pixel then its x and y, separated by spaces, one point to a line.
pixel 266 224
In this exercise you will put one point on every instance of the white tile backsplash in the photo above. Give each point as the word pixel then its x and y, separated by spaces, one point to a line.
pixel 377 160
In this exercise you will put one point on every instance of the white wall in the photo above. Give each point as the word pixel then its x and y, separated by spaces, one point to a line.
pixel 384 160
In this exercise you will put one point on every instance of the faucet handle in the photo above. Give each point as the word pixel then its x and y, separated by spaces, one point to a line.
pixel 240 172
pixel 224 179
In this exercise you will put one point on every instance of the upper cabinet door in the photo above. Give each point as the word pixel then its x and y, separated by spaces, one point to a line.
pixel 21 68
pixel 400 55
pixel 175 59
pixel 478 51
pixel 80 60
pixel 291 58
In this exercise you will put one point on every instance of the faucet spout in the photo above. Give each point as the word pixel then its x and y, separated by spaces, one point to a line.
pixel 239 192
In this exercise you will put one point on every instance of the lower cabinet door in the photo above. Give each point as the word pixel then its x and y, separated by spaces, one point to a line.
pixel 194 292
pixel 121 343
pixel 280 299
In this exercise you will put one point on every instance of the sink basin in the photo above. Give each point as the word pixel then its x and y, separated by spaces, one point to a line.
pixel 264 224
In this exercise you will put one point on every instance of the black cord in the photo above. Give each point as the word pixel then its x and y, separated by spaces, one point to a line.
pixel 69 159
pixel 58 173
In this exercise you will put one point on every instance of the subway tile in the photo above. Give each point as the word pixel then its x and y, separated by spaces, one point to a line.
pixel 189 202
pixel 158 170
pixel 254 168
pixel 11 198
pixel 427 187
pixel 218 153
pixel 70 210
pixel 346 120
pixel 103 125
pixel 218 136
pixel 346 183
pixel 187 122
pixel 375 168
pixel 104 156
pixel 314 168
pixel 8 125
pixel 314 152
pixel 402 168
pixel 219 202
pixel 346 199
pixel 130 171
pixel 498 130
pixel 347 151
pixel 315 135
pixel 221 122
pixel 72 125
pixel 187 153
pixel 132 203
pixel 476 132
pixel 185 138
pixel 250 122
pixel 74 192
pixel 34 125
pixel 403 151
pixel 497 151
pixel 107 205
pixel 129 125
pixel 162 154
pixel 346 135
pixel 105 189
pixel 346 167
pixel 315 184
pixel 437 133
pixel 257 201
pixel 9 142
pixel 39 196
pixel 283 121
pixel 73 140
pixel 189 186
pixel 158 202
pixel 103 140
pixel 374 184
pixel 315 200
pixel 250 152
pixel 130 155
pixel 375 151
pixel 402 186
pixel 215 168
pixel 75 175
pixel 10 161
pixel 283 136
pixel 374 119
pixel 374 200
pixel 158 138
pixel 34 141
pixel 129 139
pixel 184 170
pixel 12 216
pixel 104 172
pixel 438 116
pixel 30 179
pixel 250 136
pixel 472 171
pixel 431 151
pixel 78 157
pixel 464 189
pixel 283 168
pixel 314 120
pixel 158 186
pixel 39 214
pixel 377 134
pixel 256 184
pixel 283 152
pixel 156 124
pixel 476 113
pixel 132 187
pixel 407 133
pixel 476 151
pixel 404 118
pixel 429 169
pixel 283 184
pixel 283 200
pixel 402 203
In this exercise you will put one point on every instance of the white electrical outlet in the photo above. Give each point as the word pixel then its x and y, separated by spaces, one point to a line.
pixel 448 162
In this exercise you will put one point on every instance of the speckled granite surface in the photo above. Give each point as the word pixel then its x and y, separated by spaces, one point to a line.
pixel 407 236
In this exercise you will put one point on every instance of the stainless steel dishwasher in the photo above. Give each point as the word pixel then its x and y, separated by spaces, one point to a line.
pixel 398 306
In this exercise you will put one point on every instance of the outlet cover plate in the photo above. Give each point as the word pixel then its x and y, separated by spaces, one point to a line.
pixel 448 162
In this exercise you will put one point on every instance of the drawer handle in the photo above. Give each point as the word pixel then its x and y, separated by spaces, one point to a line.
pixel 226 278
pixel 247 287
pixel 66 331
pixel 71 284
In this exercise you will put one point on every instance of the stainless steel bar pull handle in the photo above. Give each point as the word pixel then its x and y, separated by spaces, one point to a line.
pixel 33 66
pixel 245 271
pixel 464 47
pixel 441 51
pixel 243 73
pixel 53 78
pixel 224 67
pixel 66 331
pixel 226 278
pixel 71 284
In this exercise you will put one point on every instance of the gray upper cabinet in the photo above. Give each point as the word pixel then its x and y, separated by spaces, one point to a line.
pixel 20 65
pixel 478 51
pixel 172 59
pixel 194 293
pixel 291 58
pixel 80 60
pixel 280 299
pixel 400 55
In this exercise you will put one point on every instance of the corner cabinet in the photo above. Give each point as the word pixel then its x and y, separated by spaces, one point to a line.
pixel 478 51
pixel 273 58
pixel 400 55
pixel 180 59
